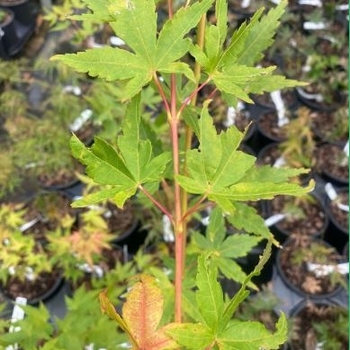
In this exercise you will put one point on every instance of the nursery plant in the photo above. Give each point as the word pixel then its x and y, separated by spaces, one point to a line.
pixel 178 57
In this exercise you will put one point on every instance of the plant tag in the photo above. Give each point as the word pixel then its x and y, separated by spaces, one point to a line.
pixel 230 117
pixel 232 113
pixel 17 314
pixel 346 149
pixel 97 270
pixel 168 234
pixel 279 104
pixel 116 41
pixel 324 270
pixel 29 273
pixel 342 7
pixel 332 194
pixel 26 226
pixel 280 162
pixel 75 90
pixel 245 3
pixel 274 219
pixel 316 3
pixel 85 115
pixel 316 97
pixel 314 25
pixel 330 191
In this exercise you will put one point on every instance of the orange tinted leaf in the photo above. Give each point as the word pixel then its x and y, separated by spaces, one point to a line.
pixel 143 310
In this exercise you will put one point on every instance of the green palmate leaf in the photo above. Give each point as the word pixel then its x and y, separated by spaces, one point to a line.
pixel 212 45
pixel 216 230
pixel 231 270
pixel 104 165
pixel 269 83
pixel 234 79
pixel 243 292
pixel 108 63
pixel 245 217
pixel 240 335
pixel 209 295
pixel 191 336
pixel 99 9
pixel 221 19
pixel 238 245
pixel 211 168
pixel 136 24
pixel 238 41
pixel 267 173
pixel 261 35
pixel 171 44
pixel 246 191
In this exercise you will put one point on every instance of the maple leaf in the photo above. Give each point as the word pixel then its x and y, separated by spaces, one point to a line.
pixel 142 313
pixel 311 285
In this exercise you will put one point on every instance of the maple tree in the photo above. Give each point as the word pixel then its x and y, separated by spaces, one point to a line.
pixel 216 173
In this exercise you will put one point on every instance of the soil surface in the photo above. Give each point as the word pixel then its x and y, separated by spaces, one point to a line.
pixel 268 125
pixel 32 290
pixel 304 335
pixel 341 217
pixel 293 259
pixel 333 162
pixel 306 216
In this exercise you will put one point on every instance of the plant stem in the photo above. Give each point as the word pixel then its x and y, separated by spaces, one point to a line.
pixel 156 203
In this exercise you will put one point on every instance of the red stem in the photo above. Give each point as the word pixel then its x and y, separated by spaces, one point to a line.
pixel 156 203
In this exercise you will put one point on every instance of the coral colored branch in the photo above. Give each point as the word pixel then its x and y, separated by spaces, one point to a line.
pixel 155 202
pixel 162 94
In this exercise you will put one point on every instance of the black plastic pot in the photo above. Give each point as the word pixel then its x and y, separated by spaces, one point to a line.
pixel 25 11
pixel 338 232
pixel 332 164
pixel 7 33
pixel 283 231
pixel 297 289
pixel 304 316
pixel 17 32
pixel 42 297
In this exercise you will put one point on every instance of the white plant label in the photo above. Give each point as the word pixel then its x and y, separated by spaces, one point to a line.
pixel 75 90
pixel 321 270
pixel 316 97
pixel 168 233
pixel 245 3
pixel 280 162
pixel 26 226
pixel 85 115
pixel 116 41
pixel 232 114
pixel 281 110
pixel 332 194
pixel 274 219
pixel 314 25
pixel 342 7
pixel 346 149
pixel 330 191
pixel 17 315
pixel 316 3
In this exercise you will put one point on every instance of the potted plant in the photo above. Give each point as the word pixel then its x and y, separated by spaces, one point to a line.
pixel 331 127
pixel 82 326
pixel 84 251
pixel 138 165
pixel 319 324
pixel 303 266
pixel 337 208
pixel 25 267
pixel 8 29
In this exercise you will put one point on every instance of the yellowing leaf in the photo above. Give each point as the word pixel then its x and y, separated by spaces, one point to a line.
pixel 142 313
